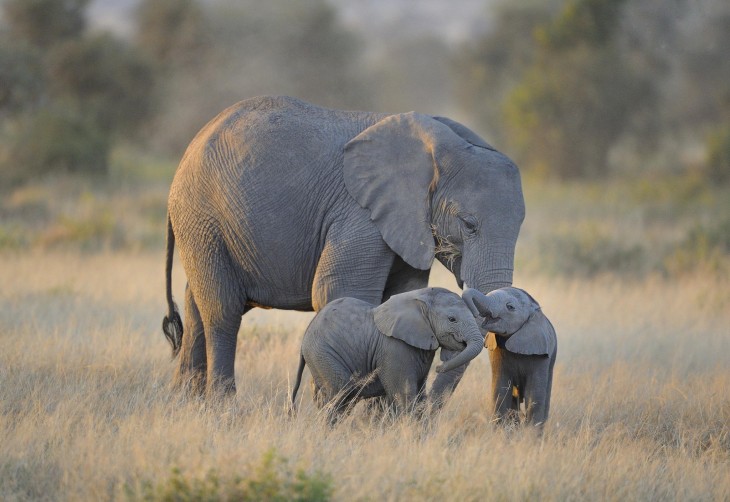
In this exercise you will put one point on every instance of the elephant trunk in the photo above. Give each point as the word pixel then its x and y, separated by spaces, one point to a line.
pixel 474 345
pixel 487 268
pixel 477 302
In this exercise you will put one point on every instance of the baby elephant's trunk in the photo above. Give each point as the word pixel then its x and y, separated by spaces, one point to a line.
pixel 474 344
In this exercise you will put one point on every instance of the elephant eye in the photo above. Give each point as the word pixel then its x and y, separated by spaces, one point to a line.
pixel 470 223
pixel 510 307
pixel 452 318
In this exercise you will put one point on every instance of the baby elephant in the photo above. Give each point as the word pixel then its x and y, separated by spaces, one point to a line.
pixel 358 350
pixel 522 350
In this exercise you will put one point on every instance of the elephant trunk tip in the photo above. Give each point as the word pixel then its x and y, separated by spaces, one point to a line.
pixel 473 347
pixel 172 327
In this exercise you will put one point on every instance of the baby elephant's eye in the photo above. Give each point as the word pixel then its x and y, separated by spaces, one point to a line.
pixel 452 318
pixel 510 307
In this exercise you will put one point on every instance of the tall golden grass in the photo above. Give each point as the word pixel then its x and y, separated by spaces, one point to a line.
pixel 641 406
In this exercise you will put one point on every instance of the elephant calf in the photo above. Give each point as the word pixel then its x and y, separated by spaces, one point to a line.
pixel 522 350
pixel 358 350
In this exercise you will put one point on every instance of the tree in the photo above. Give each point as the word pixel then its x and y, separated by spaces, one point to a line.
pixel 489 69
pixel 65 96
pixel 106 80
pixel 21 77
pixel 718 156
pixel 571 107
pixel 44 23
pixel 255 48
pixel 174 33
pixel 55 139
pixel 557 84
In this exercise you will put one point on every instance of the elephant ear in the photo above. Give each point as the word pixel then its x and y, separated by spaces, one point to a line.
pixel 390 168
pixel 405 316
pixel 535 337
pixel 465 133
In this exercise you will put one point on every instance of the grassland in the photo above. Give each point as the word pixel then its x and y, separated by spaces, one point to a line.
pixel 641 406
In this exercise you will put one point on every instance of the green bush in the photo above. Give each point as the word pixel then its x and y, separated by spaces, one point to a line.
pixel 106 79
pixel 588 251
pixel 270 480
pixel 55 139
pixel 65 95
pixel 45 23
pixel 718 156
pixel 705 247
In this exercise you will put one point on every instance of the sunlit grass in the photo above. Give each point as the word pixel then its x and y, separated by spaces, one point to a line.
pixel 640 403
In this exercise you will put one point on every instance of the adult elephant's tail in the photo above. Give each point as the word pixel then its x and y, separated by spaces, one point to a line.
pixel 300 371
pixel 171 324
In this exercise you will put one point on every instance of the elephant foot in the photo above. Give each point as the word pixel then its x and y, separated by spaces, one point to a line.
pixel 192 383
pixel 220 389
pixel 508 420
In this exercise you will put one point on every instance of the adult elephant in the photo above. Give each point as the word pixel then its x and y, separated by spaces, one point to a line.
pixel 278 203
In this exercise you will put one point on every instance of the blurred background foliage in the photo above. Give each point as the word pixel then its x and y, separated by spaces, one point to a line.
pixel 616 111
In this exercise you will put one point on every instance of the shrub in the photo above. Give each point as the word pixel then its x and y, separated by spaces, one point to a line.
pixel 588 251
pixel 56 139
pixel 718 156
pixel 705 247
pixel 65 95
pixel 271 480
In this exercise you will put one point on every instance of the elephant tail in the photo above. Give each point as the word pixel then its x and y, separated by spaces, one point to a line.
pixel 172 323
pixel 300 372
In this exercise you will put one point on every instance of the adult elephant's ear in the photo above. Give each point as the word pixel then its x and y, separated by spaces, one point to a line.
pixel 389 169
pixel 405 316
pixel 465 133
pixel 535 337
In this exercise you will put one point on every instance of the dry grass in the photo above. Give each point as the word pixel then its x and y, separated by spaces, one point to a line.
pixel 641 408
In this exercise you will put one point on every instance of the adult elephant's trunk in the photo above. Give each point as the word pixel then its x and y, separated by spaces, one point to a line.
pixel 474 344
pixel 489 266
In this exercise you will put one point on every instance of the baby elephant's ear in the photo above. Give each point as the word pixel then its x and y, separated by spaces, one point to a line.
pixel 405 316
pixel 536 337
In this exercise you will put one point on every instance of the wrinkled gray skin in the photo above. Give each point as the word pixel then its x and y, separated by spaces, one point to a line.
pixel 278 203
pixel 358 350
pixel 522 350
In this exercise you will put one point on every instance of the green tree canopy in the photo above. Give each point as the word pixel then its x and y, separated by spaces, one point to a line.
pixel 65 95
pixel 45 22
pixel 174 33
pixel 561 89
pixel 104 78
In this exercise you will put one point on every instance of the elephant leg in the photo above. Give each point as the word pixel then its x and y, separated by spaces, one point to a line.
pixel 333 388
pixel 549 384
pixel 506 404
pixel 537 394
pixel 221 337
pixel 535 403
pixel 445 383
pixel 402 393
pixel 192 365
pixel 404 278
pixel 355 262
pixel 221 300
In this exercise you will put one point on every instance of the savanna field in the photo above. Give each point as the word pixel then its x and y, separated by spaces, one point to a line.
pixel 635 276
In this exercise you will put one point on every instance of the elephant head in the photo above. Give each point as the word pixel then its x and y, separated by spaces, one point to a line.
pixel 429 318
pixel 512 313
pixel 434 188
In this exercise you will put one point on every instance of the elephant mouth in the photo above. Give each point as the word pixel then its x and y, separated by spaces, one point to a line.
pixel 460 345
pixel 489 322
